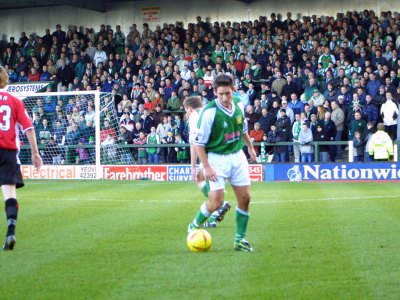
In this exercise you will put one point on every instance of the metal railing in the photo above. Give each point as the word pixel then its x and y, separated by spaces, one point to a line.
pixel 68 150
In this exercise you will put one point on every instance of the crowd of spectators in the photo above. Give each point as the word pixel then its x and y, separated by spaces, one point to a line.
pixel 311 79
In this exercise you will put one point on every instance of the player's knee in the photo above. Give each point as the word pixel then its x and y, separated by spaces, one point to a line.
pixel 216 198
pixel 200 177
pixel 200 183
pixel 244 201
pixel 212 206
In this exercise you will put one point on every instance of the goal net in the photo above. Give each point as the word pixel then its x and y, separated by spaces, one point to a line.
pixel 76 128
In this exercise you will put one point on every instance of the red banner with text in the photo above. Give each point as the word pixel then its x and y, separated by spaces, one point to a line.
pixel 138 172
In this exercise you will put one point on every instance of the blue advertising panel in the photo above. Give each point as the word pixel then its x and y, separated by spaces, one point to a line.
pixel 332 172
pixel 179 173
pixel 183 172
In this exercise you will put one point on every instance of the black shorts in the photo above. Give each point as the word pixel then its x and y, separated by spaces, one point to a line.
pixel 10 170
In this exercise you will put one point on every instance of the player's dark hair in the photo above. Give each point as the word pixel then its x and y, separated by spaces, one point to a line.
pixel 223 80
pixel 193 102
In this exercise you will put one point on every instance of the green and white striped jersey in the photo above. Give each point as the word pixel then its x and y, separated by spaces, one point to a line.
pixel 220 130
pixel 192 122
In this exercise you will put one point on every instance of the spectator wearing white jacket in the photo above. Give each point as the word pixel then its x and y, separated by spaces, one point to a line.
pixel 305 138
pixel 389 113
pixel 100 56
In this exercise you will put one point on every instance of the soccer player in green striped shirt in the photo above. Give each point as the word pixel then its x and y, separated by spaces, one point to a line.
pixel 219 138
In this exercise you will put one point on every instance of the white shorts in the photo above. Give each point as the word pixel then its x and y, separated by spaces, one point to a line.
pixel 233 167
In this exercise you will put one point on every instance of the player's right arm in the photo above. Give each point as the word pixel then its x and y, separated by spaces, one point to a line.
pixel 36 159
pixel 193 120
pixel 202 135
pixel 193 161
pixel 250 147
pixel 209 171
pixel 23 119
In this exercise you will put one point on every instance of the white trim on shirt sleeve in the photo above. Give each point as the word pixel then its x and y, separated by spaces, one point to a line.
pixel 193 120
pixel 24 130
pixel 203 129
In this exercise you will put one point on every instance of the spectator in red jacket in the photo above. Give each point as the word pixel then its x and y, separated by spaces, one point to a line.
pixel 148 104
pixel 256 135
pixel 33 75
pixel 106 130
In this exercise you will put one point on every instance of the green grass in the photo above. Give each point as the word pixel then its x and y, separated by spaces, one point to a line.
pixel 127 240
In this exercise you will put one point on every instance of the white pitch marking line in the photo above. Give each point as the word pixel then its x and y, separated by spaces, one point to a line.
pixel 271 201
pixel 327 199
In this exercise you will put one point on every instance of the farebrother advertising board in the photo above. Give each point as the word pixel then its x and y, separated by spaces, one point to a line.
pixel 332 172
pixel 122 172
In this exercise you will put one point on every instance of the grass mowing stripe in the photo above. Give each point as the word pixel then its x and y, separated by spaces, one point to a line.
pixel 157 275
pixel 254 202
pixel 374 245
pixel 391 207
pixel 113 259
pixel 131 221
pixel 60 233
pixel 136 248
pixel 247 268
pixel 304 253
pixel 194 265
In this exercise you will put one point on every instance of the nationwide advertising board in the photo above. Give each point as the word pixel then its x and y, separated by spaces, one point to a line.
pixel 332 172
pixel 137 172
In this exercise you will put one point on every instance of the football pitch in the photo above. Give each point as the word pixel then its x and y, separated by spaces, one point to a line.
pixel 127 240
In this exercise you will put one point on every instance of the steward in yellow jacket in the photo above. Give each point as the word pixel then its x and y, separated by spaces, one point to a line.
pixel 381 145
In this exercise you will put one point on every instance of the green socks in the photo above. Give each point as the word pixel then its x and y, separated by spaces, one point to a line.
pixel 216 214
pixel 205 187
pixel 213 218
pixel 201 216
pixel 242 219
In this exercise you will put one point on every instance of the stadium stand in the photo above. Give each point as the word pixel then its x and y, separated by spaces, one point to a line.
pixel 337 74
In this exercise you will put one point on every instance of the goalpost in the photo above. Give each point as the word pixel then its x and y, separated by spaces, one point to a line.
pixel 77 142
pixel 76 132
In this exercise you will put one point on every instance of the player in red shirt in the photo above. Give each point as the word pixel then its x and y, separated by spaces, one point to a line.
pixel 13 118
